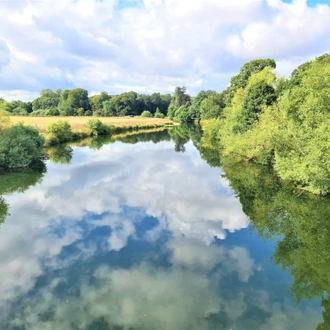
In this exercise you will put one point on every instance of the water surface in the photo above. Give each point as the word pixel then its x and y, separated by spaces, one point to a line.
pixel 146 235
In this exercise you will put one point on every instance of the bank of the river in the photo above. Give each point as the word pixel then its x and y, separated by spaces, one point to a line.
pixel 78 124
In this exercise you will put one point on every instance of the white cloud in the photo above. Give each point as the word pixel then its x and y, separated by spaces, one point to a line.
pixel 150 45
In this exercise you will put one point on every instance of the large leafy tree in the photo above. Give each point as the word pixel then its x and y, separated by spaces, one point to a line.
pixel 258 95
pixel 303 153
pixel 72 100
pixel 47 100
pixel 212 106
pixel 246 71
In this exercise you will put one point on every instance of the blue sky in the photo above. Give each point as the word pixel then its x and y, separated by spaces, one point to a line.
pixel 151 45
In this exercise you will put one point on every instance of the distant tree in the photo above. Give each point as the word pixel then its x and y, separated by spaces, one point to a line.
pixel 19 111
pixel 180 97
pixel 146 113
pixel 158 114
pixel 212 106
pixel 194 109
pixel 72 100
pixel 108 109
pixel 96 101
pixel 47 99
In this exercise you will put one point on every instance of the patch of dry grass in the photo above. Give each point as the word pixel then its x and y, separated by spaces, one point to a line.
pixel 79 123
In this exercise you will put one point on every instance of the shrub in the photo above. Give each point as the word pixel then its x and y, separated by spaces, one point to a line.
pixel 146 113
pixel 20 147
pixel 80 112
pixel 97 127
pixel 19 111
pixel 58 132
pixel 158 114
pixel 39 113
pixel 52 112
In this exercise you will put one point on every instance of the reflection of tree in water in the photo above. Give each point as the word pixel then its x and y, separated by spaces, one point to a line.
pixel 60 154
pixel 97 143
pixel 182 134
pixel 17 182
pixel 299 223
pixel 3 210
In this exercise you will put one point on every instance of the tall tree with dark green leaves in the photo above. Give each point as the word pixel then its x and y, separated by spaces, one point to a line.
pixel 258 95
pixel 73 100
pixel 212 106
pixel 47 100
pixel 246 71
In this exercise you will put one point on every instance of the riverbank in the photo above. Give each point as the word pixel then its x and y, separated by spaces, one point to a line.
pixel 79 124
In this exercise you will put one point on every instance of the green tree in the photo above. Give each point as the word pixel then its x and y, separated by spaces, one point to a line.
pixel 194 109
pixel 180 97
pixel 72 100
pixel 258 95
pixel 47 100
pixel 247 70
pixel 212 106
pixel 303 152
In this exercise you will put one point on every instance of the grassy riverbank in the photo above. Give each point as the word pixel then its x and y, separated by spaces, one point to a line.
pixel 78 124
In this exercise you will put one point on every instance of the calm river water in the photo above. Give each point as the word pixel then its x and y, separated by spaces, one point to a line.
pixel 144 234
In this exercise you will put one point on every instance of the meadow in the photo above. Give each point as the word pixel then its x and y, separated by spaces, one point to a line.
pixel 79 123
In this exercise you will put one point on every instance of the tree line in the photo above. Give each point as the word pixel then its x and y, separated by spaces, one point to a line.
pixel 77 102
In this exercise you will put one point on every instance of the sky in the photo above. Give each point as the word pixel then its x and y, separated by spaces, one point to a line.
pixel 151 45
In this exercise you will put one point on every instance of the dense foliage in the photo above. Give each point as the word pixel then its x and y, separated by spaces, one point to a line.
pixel 278 122
pixel 76 102
pixel 58 132
pixel 98 128
pixel 20 147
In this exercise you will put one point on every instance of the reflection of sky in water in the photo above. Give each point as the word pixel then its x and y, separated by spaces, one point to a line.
pixel 138 236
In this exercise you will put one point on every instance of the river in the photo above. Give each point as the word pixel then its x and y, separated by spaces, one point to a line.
pixel 153 231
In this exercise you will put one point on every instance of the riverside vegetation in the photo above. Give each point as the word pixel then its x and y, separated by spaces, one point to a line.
pixel 277 122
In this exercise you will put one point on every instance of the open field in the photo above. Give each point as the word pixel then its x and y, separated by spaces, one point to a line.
pixel 79 123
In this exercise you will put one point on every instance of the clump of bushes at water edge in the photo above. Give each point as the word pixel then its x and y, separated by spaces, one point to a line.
pixel 97 128
pixel 58 132
pixel 20 147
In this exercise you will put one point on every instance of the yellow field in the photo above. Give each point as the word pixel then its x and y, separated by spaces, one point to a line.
pixel 79 123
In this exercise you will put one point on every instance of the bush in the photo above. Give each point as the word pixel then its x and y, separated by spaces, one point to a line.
pixel 146 114
pixel 20 147
pixel 58 132
pixel 39 113
pixel 52 112
pixel 19 111
pixel 97 127
pixel 158 114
